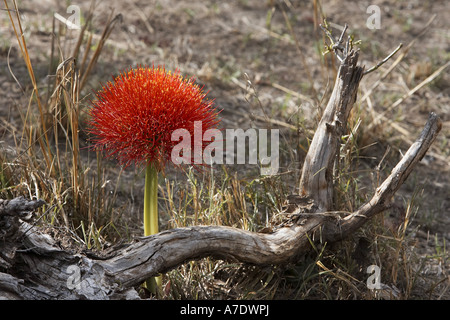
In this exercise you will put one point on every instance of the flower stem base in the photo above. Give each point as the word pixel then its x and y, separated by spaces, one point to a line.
pixel 151 215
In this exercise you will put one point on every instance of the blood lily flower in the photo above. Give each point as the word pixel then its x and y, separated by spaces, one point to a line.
pixel 133 117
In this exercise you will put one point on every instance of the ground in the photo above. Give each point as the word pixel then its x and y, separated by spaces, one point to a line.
pixel 277 46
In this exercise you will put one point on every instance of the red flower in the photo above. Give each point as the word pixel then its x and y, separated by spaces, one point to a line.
pixel 133 118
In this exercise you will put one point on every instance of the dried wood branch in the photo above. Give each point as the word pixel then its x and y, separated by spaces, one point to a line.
pixel 317 173
pixel 381 199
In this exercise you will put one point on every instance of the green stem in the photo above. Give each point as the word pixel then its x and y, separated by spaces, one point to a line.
pixel 151 214
pixel 151 201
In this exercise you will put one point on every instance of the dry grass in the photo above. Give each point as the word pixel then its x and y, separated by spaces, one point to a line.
pixel 73 189
pixel 99 204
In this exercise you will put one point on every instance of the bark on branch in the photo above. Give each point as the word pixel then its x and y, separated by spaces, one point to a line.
pixel 317 173
pixel 33 266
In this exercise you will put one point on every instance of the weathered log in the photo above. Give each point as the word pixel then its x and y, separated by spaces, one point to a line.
pixel 13 210
pixel 34 266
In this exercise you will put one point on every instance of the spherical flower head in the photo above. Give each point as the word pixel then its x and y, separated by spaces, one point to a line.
pixel 133 117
